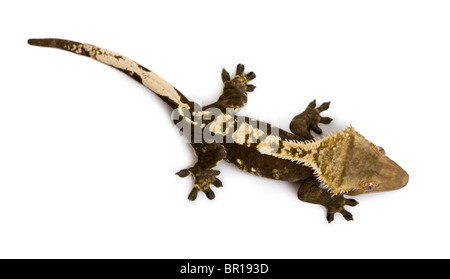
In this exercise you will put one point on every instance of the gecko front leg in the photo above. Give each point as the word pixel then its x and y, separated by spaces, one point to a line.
pixel 208 156
pixel 311 192
pixel 308 120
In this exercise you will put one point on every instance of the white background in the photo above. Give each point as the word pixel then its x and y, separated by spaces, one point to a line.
pixel 88 156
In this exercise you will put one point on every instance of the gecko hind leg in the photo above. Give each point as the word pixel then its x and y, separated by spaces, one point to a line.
pixel 302 124
pixel 311 192
pixel 208 156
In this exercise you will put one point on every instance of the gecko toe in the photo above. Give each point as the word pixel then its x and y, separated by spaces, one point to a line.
pixel 330 217
pixel 217 183
pixel 240 69
pixel 183 173
pixel 250 88
pixel 225 75
pixel 324 106
pixel 312 104
pixel 193 194
pixel 325 120
pixel 316 128
pixel 209 194
pixel 250 76
pixel 347 215
pixel 351 202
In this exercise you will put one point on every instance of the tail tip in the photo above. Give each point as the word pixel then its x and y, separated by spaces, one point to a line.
pixel 32 42
pixel 43 42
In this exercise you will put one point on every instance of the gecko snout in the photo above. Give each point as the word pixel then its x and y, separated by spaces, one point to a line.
pixel 404 179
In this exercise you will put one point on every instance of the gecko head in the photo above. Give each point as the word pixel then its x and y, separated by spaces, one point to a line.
pixel 358 166
pixel 378 173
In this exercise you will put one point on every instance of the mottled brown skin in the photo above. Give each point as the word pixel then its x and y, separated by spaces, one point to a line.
pixel 383 172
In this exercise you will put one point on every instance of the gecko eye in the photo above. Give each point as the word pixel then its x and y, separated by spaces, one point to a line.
pixel 381 149
pixel 370 186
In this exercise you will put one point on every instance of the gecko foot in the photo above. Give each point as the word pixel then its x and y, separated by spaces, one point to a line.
pixel 203 178
pixel 310 119
pixel 337 205
pixel 309 191
pixel 240 79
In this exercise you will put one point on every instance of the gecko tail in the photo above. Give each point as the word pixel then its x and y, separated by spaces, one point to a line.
pixel 38 42
pixel 159 86
pixel 45 42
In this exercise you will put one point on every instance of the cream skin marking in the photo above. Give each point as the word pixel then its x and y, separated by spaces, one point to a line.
pixel 149 79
